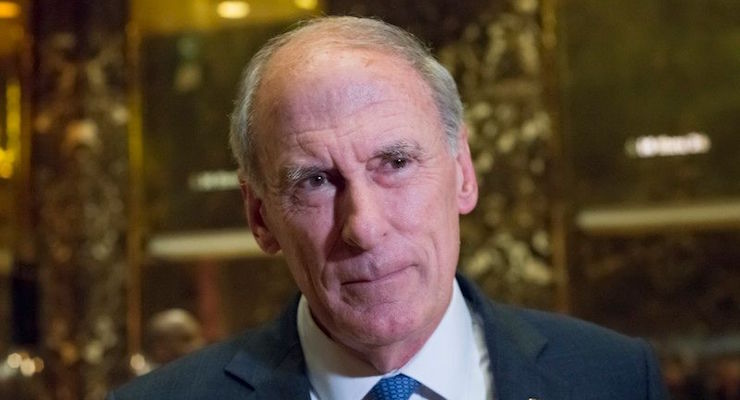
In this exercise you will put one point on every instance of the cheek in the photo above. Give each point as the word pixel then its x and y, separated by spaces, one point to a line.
pixel 304 263
pixel 305 238
pixel 427 216
pixel 429 203
pixel 300 229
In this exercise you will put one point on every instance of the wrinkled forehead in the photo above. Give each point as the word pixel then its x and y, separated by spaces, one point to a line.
pixel 332 79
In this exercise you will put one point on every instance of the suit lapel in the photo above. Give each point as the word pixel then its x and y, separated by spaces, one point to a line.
pixel 287 380
pixel 513 348
pixel 271 361
pixel 519 378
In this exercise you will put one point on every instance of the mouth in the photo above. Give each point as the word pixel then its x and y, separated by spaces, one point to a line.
pixel 380 277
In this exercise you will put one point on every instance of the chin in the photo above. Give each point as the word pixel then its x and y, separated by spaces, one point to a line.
pixel 386 327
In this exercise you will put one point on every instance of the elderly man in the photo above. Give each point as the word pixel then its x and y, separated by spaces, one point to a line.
pixel 355 165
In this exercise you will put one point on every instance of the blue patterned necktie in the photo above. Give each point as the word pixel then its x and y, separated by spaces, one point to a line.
pixel 399 387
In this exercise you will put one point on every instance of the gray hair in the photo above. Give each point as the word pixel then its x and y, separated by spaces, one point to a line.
pixel 350 32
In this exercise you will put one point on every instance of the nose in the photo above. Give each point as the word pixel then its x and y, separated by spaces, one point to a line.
pixel 364 222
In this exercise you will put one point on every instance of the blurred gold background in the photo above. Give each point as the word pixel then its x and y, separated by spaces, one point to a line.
pixel 604 134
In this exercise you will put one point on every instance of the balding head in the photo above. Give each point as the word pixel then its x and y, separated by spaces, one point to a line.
pixel 172 334
pixel 321 36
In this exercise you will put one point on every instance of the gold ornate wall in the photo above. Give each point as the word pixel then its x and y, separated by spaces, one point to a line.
pixel 650 118
pixel 649 115
pixel 79 178
pixel 14 63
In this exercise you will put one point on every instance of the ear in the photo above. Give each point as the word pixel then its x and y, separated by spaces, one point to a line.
pixel 254 209
pixel 467 185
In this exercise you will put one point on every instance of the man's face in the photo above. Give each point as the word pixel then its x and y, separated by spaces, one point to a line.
pixel 363 193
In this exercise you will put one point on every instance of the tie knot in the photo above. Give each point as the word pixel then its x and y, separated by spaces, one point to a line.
pixel 399 387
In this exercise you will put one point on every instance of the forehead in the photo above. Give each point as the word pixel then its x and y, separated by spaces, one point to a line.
pixel 307 86
pixel 324 87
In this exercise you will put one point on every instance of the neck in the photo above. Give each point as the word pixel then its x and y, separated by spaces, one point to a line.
pixel 391 356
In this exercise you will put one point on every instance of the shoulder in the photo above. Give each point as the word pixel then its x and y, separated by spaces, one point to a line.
pixel 593 361
pixel 567 336
pixel 218 370
pixel 185 377
pixel 533 328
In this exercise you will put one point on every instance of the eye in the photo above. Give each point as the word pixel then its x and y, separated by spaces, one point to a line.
pixel 316 180
pixel 313 189
pixel 396 163
pixel 399 162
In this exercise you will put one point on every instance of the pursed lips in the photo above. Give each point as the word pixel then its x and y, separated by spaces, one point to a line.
pixel 377 275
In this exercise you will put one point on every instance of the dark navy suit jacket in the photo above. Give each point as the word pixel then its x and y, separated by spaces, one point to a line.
pixel 534 355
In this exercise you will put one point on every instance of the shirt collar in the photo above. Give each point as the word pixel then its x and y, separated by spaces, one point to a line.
pixel 335 373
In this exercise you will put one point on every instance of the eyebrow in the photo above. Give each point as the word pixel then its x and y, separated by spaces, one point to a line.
pixel 400 148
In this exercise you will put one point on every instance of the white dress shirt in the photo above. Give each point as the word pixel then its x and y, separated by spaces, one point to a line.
pixel 452 364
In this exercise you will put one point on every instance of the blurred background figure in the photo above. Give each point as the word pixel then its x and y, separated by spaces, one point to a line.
pixel 171 334
pixel 726 385
pixel 681 377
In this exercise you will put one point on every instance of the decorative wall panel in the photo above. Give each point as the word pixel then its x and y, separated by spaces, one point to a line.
pixel 80 179
pixel 650 114
pixel 660 284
